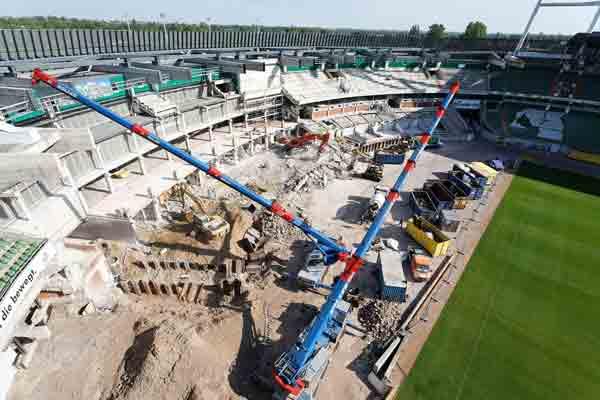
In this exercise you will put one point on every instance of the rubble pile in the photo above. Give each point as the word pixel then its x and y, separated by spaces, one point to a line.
pixel 303 181
pixel 275 227
pixel 380 318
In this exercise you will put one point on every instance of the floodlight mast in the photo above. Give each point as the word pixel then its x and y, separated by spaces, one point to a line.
pixel 542 3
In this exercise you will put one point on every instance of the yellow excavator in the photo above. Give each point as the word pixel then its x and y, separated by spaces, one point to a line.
pixel 204 218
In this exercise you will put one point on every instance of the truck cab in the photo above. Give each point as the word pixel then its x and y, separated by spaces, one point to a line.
pixel 313 271
pixel 420 264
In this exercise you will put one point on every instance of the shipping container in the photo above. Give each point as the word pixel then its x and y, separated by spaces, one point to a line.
pixel 422 204
pixel 440 196
pixel 467 183
pixel 460 198
pixel 391 274
pixel 482 180
pixel 385 157
pixel 428 236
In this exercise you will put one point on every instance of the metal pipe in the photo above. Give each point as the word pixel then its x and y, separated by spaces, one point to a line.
pixel 329 246
pixel 578 4
pixel 527 27
pixel 595 20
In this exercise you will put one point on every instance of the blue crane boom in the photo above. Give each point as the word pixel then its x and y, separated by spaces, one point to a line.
pixel 332 250
pixel 290 366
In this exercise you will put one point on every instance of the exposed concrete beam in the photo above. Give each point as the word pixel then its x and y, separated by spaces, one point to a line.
pixel 242 65
pixel 226 66
pixel 293 61
pixel 130 72
pixel 182 73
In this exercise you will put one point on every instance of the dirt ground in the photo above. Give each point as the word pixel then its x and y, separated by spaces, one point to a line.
pixel 157 347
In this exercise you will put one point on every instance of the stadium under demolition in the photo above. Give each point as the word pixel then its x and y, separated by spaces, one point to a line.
pixel 266 222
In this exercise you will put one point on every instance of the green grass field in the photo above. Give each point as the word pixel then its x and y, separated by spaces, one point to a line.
pixel 524 320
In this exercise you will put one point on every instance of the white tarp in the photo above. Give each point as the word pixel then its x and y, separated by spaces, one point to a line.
pixel 549 123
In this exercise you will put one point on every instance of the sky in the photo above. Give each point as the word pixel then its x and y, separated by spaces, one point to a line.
pixel 509 16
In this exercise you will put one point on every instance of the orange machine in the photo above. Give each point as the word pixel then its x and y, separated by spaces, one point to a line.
pixel 301 141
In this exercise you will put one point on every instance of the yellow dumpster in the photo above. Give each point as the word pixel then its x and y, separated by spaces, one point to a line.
pixel 428 236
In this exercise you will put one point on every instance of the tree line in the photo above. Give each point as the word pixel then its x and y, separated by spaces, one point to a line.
pixel 435 35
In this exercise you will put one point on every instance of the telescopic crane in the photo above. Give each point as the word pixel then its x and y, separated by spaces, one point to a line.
pixel 292 366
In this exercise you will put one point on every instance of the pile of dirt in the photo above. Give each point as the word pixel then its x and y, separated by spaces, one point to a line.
pixel 164 362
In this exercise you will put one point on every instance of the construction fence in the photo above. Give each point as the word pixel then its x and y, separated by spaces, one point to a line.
pixel 28 44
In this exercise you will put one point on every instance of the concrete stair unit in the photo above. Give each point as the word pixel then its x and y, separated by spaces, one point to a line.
pixel 154 106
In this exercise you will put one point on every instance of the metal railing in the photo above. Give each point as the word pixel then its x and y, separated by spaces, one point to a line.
pixel 30 44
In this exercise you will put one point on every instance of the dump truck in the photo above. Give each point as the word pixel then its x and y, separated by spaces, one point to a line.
pixel 442 199
pixel 212 226
pixel 420 264
pixel 422 204
pixel 375 203
pixel 460 200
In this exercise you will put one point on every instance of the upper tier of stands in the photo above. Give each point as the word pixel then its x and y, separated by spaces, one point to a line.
pixel 316 86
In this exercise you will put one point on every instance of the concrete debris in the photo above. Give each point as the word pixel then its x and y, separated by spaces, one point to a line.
pixel 380 318
pixel 275 227
pixel 304 181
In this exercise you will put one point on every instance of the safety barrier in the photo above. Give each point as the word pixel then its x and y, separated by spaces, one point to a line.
pixel 28 44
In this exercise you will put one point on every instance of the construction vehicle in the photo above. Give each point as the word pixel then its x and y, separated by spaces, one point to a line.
pixel 298 371
pixel 305 140
pixel 204 205
pixel 420 264
pixel 375 204
pixel 314 370
pixel 314 269
pixel 291 368
pixel 212 226
pixel 374 172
